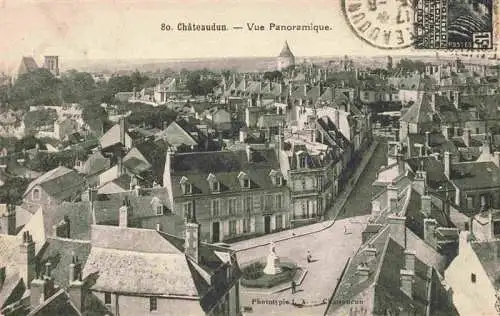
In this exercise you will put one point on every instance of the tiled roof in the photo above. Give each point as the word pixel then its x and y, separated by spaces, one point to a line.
pixel 58 304
pixel 95 163
pixel 112 138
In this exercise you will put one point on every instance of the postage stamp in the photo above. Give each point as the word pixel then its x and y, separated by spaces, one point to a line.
pixel 457 24
pixel 385 24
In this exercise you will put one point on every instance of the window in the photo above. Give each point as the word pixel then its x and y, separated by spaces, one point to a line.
pixel 279 222
pixel 262 202
pixel 470 202
pixel 247 204
pixel 187 188
pixel 36 194
pixel 107 298
pixel 159 210
pixel 246 225
pixel 246 183
pixel 303 183
pixel 232 227
pixel 231 206
pixel 188 210
pixel 477 128
pixel 215 208
pixel 153 304
pixel 279 201
pixel 302 162
pixel 215 186
pixel 473 277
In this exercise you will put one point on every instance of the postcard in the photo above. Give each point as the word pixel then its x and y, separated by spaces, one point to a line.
pixel 238 157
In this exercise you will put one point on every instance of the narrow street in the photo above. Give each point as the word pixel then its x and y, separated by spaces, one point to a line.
pixel 359 201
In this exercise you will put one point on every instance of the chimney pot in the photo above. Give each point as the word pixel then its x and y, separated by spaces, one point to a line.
pixel 397 227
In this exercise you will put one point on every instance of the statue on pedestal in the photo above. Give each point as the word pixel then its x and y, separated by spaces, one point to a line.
pixel 273 261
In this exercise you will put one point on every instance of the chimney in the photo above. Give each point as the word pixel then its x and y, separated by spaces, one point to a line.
pixel 430 225
pixel 63 229
pixel 243 135
pixel 305 90
pixel 10 219
pixel 427 140
pixel 392 193
pixel 456 99
pixel 401 164
pixel 426 205
pixel 397 228
pixel 407 282
pixel 122 130
pixel 486 149
pixel 76 285
pixel 433 101
pixel 496 158
pixel 446 132
pixel 336 118
pixel 192 240
pixel 27 259
pixel 137 190
pixel 123 214
pixel 371 252
pixel 393 205
pixel 410 260
pixel 420 181
pixel 249 153
pixel 467 137
pixel 363 272
pixel 447 164
pixel 42 288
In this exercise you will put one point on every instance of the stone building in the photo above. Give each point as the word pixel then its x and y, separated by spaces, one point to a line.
pixel 285 58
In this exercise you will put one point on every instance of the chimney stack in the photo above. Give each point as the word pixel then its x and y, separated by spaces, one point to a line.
pixel 63 228
pixel 410 260
pixel 456 99
pixel 42 288
pixel 420 181
pixel 8 220
pixel 192 238
pixel 122 130
pixel 430 225
pixel 336 118
pixel 407 282
pixel 427 140
pixel 397 227
pixel 447 164
pixel 123 214
pixel 426 205
pixel 27 259
pixel 363 272
pixel 392 193
pixel 76 285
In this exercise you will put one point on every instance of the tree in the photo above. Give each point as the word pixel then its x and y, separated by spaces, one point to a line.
pixel 198 86
pixel 77 86
pixel 273 75
pixel 408 65
pixel 35 88
pixel 120 84
pixel 13 189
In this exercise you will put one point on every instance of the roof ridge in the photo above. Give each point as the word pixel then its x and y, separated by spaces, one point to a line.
pixel 382 256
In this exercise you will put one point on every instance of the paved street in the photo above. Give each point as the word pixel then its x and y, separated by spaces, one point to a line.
pixel 359 201
pixel 331 248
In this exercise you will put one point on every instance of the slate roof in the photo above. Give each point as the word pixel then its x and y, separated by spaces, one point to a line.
pixel 95 163
pixel 148 262
pixel 27 64
pixel 112 138
pixel 59 252
pixel 475 175
pixel 415 218
pixel 384 282
pixel 488 253
pixel 226 166
pixel 60 183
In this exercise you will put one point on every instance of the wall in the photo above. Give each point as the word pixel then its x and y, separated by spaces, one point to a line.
pixel 470 298
pixel 137 305
pixel 204 216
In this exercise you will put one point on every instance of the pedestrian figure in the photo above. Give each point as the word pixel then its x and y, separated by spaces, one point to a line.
pixel 309 257
pixel 294 285
pixel 345 229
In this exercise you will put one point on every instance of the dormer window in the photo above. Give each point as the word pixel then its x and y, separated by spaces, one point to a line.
pixel 187 188
pixel 301 160
pixel 214 183
pixel 276 177
pixel 244 180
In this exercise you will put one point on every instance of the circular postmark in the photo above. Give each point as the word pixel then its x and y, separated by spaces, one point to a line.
pixel 385 24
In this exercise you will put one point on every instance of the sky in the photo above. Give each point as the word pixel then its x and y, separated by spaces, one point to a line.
pixel 126 29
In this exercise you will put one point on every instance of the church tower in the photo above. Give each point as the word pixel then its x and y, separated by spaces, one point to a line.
pixel 285 58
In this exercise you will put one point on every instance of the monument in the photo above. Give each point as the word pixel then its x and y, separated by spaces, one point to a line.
pixel 273 261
